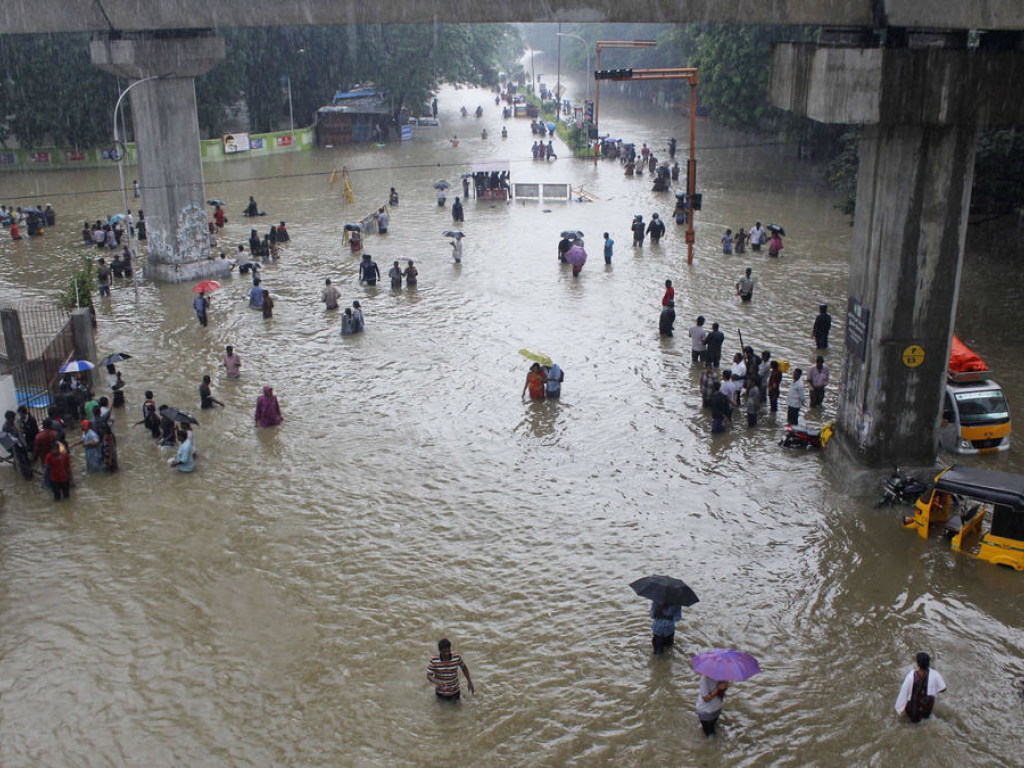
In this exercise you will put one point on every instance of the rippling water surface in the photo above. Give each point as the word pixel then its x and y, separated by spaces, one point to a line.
pixel 279 605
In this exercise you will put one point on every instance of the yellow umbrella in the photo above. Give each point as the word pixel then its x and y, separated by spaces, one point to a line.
pixel 537 357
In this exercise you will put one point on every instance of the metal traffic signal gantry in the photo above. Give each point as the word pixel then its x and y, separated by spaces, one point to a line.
pixel 671 73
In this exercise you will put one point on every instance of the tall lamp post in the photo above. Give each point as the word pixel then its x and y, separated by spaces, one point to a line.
pixel 121 153
pixel 291 115
pixel 587 48
pixel 600 45
pixel 558 77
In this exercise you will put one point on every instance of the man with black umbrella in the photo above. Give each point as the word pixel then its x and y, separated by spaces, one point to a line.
pixel 663 625
pixel 667 596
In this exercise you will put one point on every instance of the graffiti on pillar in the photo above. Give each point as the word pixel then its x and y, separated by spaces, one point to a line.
pixel 160 250
pixel 187 243
pixel 193 233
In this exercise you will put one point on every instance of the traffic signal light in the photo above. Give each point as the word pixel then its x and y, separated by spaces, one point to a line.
pixel 613 74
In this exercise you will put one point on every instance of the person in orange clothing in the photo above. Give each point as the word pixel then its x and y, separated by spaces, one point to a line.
pixel 535 381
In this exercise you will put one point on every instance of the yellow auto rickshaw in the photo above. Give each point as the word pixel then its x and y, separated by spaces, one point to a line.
pixel 962 501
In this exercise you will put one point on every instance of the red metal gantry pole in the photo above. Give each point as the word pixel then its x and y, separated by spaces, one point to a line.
pixel 672 73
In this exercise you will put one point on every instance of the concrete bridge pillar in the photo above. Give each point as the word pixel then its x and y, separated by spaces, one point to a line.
pixel 167 142
pixel 920 108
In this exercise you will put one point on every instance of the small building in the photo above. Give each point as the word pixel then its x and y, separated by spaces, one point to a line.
pixel 490 179
pixel 355 116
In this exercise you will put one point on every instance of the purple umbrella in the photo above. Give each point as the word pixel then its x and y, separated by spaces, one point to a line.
pixel 725 664
pixel 576 256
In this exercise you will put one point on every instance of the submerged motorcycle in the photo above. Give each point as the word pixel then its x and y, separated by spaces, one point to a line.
pixel 901 489
pixel 807 437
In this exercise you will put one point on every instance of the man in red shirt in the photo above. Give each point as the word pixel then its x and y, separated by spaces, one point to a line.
pixel 58 466
pixel 44 440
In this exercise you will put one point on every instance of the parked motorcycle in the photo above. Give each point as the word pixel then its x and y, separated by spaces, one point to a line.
pixel 901 489
pixel 807 437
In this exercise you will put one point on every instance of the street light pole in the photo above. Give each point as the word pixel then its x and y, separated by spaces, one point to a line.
pixel 291 115
pixel 587 48
pixel 558 77
pixel 120 169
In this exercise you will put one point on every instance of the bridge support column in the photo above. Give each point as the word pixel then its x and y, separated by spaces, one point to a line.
pixel 920 109
pixel 167 142
pixel 913 193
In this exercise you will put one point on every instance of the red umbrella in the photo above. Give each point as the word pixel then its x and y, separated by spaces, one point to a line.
pixel 206 286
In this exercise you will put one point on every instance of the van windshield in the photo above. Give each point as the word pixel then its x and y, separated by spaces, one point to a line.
pixel 978 408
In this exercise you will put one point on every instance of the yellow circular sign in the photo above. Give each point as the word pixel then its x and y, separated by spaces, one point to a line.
pixel 913 356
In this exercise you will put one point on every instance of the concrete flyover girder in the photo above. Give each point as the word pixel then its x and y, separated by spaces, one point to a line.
pixel 872 86
pixel 131 15
pixel 138 56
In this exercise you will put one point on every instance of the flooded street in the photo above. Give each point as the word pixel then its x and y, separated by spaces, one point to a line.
pixel 279 606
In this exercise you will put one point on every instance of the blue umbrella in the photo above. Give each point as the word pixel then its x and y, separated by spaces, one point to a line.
pixel 76 366
pixel 116 218
pixel 551 127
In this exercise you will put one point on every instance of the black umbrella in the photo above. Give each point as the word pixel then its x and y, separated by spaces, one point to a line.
pixel 215 201
pixel 32 209
pixel 117 357
pixel 180 416
pixel 776 228
pixel 571 234
pixel 665 590
pixel 352 227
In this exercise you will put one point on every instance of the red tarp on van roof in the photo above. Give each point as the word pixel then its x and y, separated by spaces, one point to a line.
pixel 962 360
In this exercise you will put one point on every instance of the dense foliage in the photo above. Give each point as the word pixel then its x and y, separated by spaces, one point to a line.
pixel 50 93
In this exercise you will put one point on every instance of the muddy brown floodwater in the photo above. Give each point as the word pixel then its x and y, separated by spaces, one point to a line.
pixel 278 606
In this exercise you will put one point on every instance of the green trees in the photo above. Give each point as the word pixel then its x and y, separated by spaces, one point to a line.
pixel 51 94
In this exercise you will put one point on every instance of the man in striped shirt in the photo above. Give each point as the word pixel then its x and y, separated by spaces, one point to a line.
pixel 443 672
